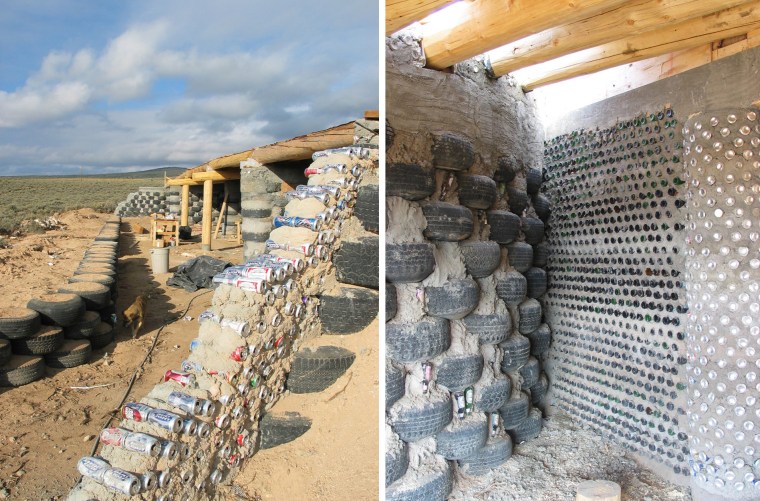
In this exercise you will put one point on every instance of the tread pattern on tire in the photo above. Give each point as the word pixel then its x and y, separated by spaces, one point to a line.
pixel 451 152
pixel 457 372
pixel 490 329
pixel 492 396
pixel 391 301
pixel 396 461
pixel 493 454
pixel 533 229
pixel 46 340
pixel 281 428
pixel 60 309
pixel 16 323
pixel 436 485
pixel 21 370
pixel 349 311
pixel 530 316
pixel 313 371
pixel 505 226
pixel 529 428
pixel 537 282
pixel 517 200
pixel 70 354
pixel 515 351
pixel 512 288
pixel 425 419
pixel 356 262
pixel 481 258
pixel 520 256
pixel 447 222
pixel 477 192
pixel 422 340
pixel 454 299
pixel 409 261
pixel 394 383
pixel 408 181
pixel 464 439
pixel 367 207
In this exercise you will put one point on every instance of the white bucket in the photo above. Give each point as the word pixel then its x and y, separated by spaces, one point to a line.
pixel 160 260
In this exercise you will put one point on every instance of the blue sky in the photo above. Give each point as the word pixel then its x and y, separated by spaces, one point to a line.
pixel 115 86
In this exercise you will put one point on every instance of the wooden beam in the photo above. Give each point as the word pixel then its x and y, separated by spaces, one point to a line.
pixel 208 191
pixel 181 182
pixel 221 214
pixel 185 206
pixel 625 21
pixel 692 33
pixel 488 24
pixel 302 147
pixel 217 175
pixel 372 115
pixel 401 13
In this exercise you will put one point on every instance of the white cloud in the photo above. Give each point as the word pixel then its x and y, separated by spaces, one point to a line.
pixel 29 106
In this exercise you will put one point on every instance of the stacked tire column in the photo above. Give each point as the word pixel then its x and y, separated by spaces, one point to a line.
pixel 258 190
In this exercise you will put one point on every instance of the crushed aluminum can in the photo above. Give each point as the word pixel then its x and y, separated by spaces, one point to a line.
pixel 208 408
pixel 312 171
pixel 233 461
pixel 459 398
pixel 148 481
pixel 200 486
pixel 222 421
pixel 271 297
pixel 324 198
pixel 164 479
pixel 300 310
pixel 321 251
pixel 278 342
pixel 240 354
pixel 319 188
pixel 136 412
pixel 203 430
pixel 226 399
pixel 241 440
pixel 239 327
pixel 168 449
pixel 279 291
pixel 261 326
pixel 189 366
pixel 166 420
pixel 254 381
pixel 195 343
pixel 189 426
pixel 427 374
pixel 469 399
pixel 237 412
pixel 276 320
pixel 122 481
pixel 209 315
pixel 215 477
pixel 225 451
pixel 288 308
pixel 242 389
pixel 183 378
pixel 185 476
pixel 356 170
pixel 93 467
pixel 186 402
pixel 298 222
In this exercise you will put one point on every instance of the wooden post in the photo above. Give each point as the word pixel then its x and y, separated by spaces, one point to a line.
pixel 208 190
pixel 221 215
pixel 185 211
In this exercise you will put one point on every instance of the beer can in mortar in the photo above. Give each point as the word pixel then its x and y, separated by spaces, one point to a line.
pixel 184 451
pixel 183 378
pixel 185 476
pixel 166 420
pixel 186 402
pixel 215 477
pixel 241 439
pixel 306 249
pixel 288 308
pixel 142 443
pixel 93 467
pixel 200 486
pixel 113 436
pixel 356 170
pixel 319 188
pixel 240 354
pixel 164 478
pixel 427 374
pixel 136 412
pixel 459 398
pixel 494 420
pixel 225 451
pixel 469 399
pixel 298 222
pixel 208 408
pixel 240 327
pixel 226 399
pixel 234 461
pixel 203 429
pixel 259 273
pixel 222 421
pixel 148 481
pixel 237 412
pixel 189 426
pixel 122 481
pixel 195 343
pixel 242 389
pixel 270 297
pixel 168 449
pixel 276 320
pixel 312 261
pixel 246 284
pixel 189 366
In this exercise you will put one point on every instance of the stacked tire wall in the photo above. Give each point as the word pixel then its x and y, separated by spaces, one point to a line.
pixel 202 459
pixel 143 202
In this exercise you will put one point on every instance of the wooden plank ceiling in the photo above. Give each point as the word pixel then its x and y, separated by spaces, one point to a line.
pixel 548 41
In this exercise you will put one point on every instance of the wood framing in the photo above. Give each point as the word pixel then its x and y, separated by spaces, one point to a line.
pixel 217 175
pixel 208 191
pixel 185 205
pixel 401 13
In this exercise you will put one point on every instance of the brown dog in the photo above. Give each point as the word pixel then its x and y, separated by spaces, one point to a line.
pixel 135 314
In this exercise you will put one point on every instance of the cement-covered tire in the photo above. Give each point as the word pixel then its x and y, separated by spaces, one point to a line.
pixel 420 419
pixel 505 226
pixel 5 351
pixel 46 340
pixel 430 485
pixel 477 192
pixel 280 428
pixel 480 258
pixel 454 299
pixel 409 261
pixel 391 301
pixel 540 340
pixel 534 177
pixel 84 328
pixel 515 353
pixel 106 280
pixel 447 222
pixel 394 383
pixel 349 310
pixel 530 316
pixel 396 459
pixel 490 329
pixel 102 337
pixel 537 282
pixel 517 200
pixel 515 410
pixel 512 288
pixel 59 309
pixel 492 455
pixel 542 205
pixel 17 323
pixel 367 207
pixel 451 152
pixel 71 353
pixel 529 428
pixel 409 181
pixel 533 229
pixel 21 370
pixel 540 254
pixel 457 372
pixel 506 169
pixel 538 390
pixel 493 395
pixel 94 295
pixel 422 340
pixel 462 438
pixel 314 370
pixel 92 269
pixel 520 256
pixel 530 372
pixel 357 262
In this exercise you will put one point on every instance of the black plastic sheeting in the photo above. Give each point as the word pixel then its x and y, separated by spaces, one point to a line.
pixel 197 273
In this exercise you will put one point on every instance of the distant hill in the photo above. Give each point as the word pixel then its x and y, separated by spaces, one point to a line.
pixel 142 174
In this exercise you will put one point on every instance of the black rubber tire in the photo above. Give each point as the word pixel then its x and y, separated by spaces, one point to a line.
pixel 530 316
pixel 46 340
pixel 71 353
pixel 517 200
pixel 108 314
pixel 357 262
pixel 481 258
pixel 529 428
pixel 506 169
pixel 451 152
pixel 505 226
pixel 94 295
pixel 422 419
pixel 511 288
pixel 492 455
pixel 391 301
pixel 537 282
pixel 349 311
pixel 85 327
pixel 395 385
pixel 409 181
pixel 396 460
pixel 367 207
pixel 533 229
pixel 17 323
pixel 21 370
pixel 516 351
pixel 457 372
pixel 538 390
pixel 5 351
pixel 543 207
pixel 102 337
pixel 314 370
pixel 515 410
pixel 520 256
pixel 390 134
pixel 408 262
pixel 490 329
pixel 423 340
pixel 447 222
pixel 281 428
pixel 530 372
pixel 491 397
pixel 60 309
pixel 454 300
pixel 540 340
pixel 534 177
pixel 463 439
pixel 477 192
pixel 540 254
pixel 435 485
